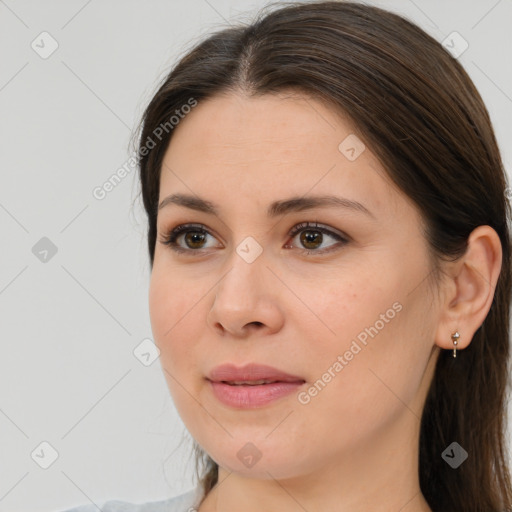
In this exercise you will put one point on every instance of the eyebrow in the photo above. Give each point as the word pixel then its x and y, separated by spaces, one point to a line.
pixel 275 209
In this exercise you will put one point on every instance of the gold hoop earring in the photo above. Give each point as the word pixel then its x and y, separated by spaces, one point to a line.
pixel 455 337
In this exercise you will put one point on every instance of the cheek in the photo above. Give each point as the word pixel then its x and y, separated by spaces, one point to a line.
pixel 169 301
pixel 369 387
pixel 348 304
pixel 172 323
pixel 161 306
pixel 382 360
pixel 173 315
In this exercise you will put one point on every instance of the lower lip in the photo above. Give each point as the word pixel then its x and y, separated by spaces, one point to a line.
pixel 247 396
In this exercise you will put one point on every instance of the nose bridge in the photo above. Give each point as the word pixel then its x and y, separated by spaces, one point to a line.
pixel 246 274
pixel 243 296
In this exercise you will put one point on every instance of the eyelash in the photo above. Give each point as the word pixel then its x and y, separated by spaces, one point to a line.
pixel 171 237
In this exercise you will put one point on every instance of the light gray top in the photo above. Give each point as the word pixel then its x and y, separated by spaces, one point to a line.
pixel 186 502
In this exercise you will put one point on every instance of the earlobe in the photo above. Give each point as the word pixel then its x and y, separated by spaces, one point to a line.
pixel 469 290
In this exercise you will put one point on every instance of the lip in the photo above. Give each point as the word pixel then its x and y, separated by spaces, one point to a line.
pixel 250 372
pixel 247 396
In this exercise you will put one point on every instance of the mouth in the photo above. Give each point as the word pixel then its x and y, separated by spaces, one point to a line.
pixel 255 382
pixel 251 386
pixel 254 394
pixel 250 374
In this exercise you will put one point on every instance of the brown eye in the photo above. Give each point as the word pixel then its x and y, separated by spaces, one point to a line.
pixel 313 235
pixel 310 238
pixel 189 238
pixel 194 239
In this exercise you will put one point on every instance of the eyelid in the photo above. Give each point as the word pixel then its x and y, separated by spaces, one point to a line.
pixel 323 228
pixel 172 235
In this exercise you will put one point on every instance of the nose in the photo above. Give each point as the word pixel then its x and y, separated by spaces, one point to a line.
pixel 247 299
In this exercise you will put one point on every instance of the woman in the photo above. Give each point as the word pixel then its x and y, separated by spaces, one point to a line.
pixel 331 279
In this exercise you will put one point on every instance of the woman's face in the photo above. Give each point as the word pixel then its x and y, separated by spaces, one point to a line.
pixel 344 306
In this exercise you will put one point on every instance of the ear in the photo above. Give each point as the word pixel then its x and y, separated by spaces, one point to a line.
pixel 469 288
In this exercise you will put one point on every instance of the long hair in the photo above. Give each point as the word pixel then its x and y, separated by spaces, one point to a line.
pixel 417 109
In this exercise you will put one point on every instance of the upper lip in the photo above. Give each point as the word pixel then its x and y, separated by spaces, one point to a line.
pixel 250 372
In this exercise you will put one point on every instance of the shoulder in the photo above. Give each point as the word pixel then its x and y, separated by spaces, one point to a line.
pixel 186 502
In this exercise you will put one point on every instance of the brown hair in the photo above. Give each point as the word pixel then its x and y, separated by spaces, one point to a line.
pixel 417 109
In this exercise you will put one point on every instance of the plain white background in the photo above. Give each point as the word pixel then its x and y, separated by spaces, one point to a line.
pixel 69 325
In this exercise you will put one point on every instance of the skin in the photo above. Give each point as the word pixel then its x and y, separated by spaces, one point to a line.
pixel 353 446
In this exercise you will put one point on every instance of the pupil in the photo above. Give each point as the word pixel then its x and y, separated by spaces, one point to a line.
pixel 192 238
pixel 308 237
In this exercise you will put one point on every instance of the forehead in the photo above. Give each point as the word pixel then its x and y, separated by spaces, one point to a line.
pixel 271 145
pixel 236 123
